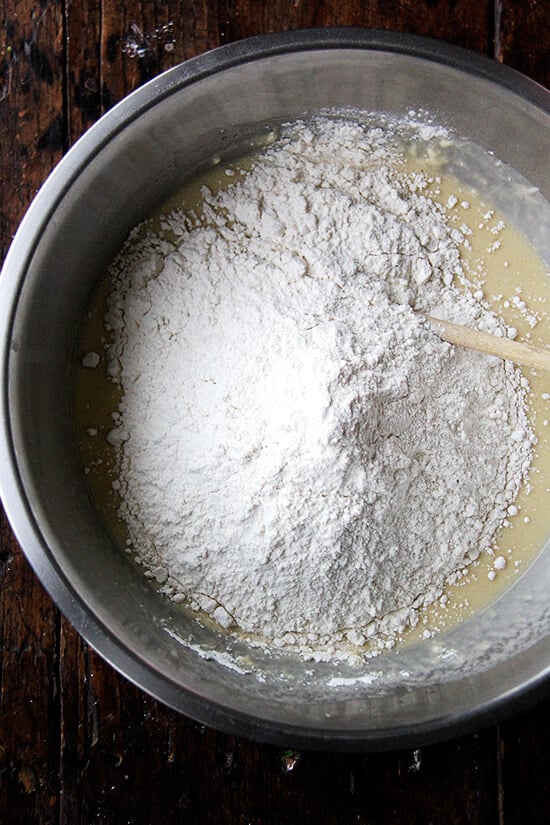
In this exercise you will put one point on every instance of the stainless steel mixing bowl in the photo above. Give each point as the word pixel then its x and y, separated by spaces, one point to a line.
pixel 134 158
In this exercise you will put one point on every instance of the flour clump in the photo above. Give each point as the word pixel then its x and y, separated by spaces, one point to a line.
pixel 298 455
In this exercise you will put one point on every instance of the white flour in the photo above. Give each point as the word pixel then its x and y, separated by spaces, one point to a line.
pixel 298 454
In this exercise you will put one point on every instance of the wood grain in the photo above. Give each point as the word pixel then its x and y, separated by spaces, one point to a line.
pixel 32 140
pixel 458 21
pixel 524 746
pixel 29 690
pixel 31 105
pixel 78 743
pixel 522 35
pixel 474 339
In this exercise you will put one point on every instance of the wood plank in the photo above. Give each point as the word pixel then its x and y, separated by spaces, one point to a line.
pixel 32 123
pixel 165 768
pixel 140 40
pixel 29 691
pixel 84 93
pixel 461 22
pixel 524 751
pixel 32 139
pixel 522 37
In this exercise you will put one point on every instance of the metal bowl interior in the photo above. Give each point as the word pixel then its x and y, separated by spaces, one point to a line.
pixel 139 154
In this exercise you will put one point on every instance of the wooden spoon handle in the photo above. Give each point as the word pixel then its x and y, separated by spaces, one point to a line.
pixel 484 342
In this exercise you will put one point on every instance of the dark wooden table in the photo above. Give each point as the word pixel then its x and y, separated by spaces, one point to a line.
pixel 78 743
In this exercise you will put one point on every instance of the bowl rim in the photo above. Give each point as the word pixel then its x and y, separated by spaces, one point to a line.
pixel 89 624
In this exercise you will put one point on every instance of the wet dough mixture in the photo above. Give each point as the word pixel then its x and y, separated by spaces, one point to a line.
pixel 295 453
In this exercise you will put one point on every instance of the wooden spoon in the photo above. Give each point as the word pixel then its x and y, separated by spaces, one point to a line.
pixel 491 344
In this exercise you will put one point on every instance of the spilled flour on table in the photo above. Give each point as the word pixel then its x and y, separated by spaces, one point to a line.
pixel 298 454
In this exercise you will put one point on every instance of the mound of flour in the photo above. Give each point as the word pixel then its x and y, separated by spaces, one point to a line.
pixel 298 454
